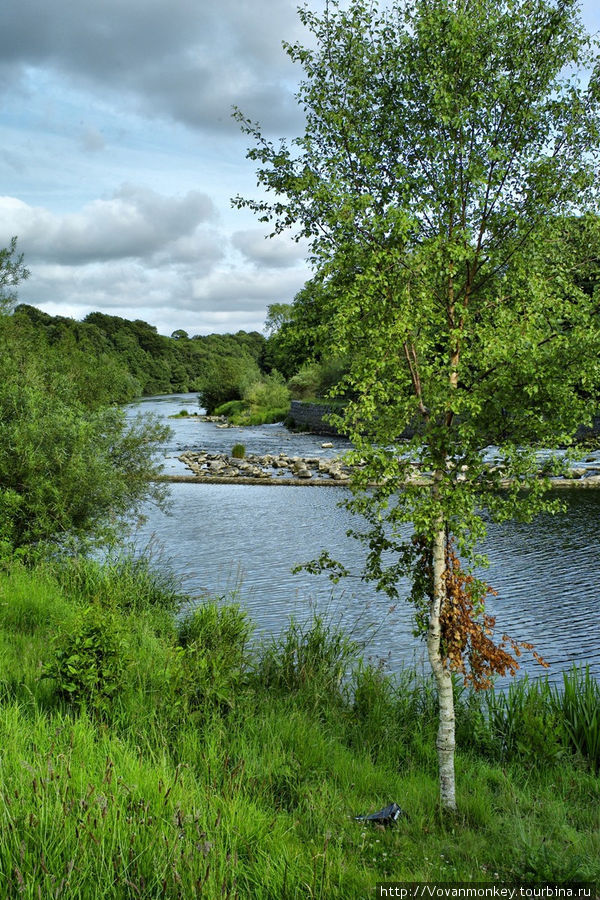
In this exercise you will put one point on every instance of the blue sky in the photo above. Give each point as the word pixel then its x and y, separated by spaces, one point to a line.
pixel 118 156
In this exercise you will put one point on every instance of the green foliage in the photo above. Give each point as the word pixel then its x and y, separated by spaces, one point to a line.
pixel 68 474
pixel 269 392
pixel 238 451
pixel 72 470
pixel 227 378
pixel 525 721
pixel 213 657
pixel 241 787
pixel 266 400
pixel 127 581
pixel 577 708
pixel 231 409
pixel 12 272
pixel 434 177
pixel 444 152
pixel 90 662
pixel 115 360
pixel 297 330
pixel 313 658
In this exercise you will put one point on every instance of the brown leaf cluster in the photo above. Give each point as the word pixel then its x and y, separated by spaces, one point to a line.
pixel 467 630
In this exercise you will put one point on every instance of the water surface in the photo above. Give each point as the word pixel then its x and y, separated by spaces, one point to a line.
pixel 246 538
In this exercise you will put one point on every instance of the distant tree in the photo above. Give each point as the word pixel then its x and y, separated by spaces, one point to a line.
pixel 12 271
pixel 277 315
pixel 445 142
pixel 227 378
pixel 73 471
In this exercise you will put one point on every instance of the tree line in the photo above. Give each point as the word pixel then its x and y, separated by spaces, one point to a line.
pixel 132 358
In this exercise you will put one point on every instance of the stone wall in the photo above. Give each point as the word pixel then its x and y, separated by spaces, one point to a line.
pixel 310 416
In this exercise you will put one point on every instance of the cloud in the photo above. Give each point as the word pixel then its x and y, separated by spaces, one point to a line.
pixel 140 254
pixel 248 289
pixel 186 60
pixel 134 222
pixel 277 252
pixel 171 296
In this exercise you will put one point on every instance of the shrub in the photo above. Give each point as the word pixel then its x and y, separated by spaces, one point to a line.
pixel 90 661
pixel 231 408
pixel 238 451
pixel 268 393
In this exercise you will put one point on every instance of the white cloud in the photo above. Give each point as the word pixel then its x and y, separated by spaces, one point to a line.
pixel 278 251
pixel 134 222
pixel 140 254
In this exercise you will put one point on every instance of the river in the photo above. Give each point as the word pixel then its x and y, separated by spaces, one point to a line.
pixel 242 541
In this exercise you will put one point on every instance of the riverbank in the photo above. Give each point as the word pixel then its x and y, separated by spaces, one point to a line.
pixel 147 758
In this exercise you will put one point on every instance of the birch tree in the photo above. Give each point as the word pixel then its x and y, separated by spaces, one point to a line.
pixel 447 143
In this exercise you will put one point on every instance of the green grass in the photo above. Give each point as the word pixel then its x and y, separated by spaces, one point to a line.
pixel 217 770
pixel 183 414
pixel 240 412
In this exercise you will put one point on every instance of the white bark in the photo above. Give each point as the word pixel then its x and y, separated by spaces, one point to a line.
pixel 446 732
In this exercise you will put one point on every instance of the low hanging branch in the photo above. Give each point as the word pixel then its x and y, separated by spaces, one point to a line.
pixel 468 647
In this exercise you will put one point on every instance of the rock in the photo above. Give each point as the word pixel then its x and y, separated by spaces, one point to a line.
pixel 327 445
pixel 303 473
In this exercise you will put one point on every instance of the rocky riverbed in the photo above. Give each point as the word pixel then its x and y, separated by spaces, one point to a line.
pixel 266 468
pixel 269 468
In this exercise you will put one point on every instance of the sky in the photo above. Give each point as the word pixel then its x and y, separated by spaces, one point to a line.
pixel 119 156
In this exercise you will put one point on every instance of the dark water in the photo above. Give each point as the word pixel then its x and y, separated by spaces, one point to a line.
pixel 244 539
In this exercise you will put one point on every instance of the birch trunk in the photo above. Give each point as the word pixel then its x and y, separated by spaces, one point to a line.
pixel 446 732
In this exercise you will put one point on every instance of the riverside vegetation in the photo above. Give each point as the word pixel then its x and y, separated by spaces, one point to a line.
pixel 148 754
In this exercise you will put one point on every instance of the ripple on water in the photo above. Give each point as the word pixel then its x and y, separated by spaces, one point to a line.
pixel 245 539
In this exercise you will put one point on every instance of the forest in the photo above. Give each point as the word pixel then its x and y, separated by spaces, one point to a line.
pixel 135 360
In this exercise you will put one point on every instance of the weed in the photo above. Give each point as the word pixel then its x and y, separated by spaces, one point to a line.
pixel 90 661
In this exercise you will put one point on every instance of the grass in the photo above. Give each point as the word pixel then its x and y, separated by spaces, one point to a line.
pixel 220 771
pixel 241 412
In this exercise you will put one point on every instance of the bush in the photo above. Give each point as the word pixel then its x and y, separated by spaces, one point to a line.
pixel 69 475
pixel 90 661
pixel 227 378
pixel 238 451
pixel 268 393
pixel 231 408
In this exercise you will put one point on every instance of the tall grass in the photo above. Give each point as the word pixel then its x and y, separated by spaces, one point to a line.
pixel 578 706
pixel 128 581
pixel 218 768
